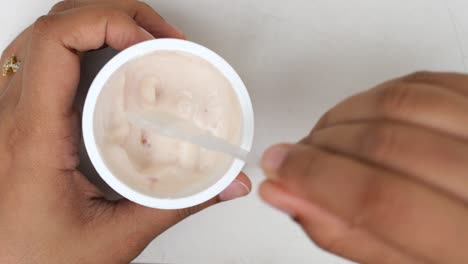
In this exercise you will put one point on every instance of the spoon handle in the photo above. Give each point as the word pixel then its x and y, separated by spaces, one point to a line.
pixel 169 125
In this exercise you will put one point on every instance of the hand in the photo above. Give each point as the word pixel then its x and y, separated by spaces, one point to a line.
pixel 383 176
pixel 49 212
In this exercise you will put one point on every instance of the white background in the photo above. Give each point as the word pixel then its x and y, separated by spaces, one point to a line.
pixel 298 58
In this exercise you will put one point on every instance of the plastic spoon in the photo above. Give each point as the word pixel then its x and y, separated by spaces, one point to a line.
pixel 169 125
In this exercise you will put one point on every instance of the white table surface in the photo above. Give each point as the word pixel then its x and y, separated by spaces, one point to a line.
pixel 298 58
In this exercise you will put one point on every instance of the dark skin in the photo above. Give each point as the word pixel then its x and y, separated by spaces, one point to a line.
pixel 380 179
pixel 45 199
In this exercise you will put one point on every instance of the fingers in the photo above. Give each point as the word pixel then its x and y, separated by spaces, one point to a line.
pixel 144 224
pixel 385 204
pixel 67 5
pixel 407 100
pixel 331 233
pixel 408 149
pixel 18 46
pixel 239 188
pixel 455 82
pixel 86 25
pixel 143 14
pixel 51 71
pixel 150 20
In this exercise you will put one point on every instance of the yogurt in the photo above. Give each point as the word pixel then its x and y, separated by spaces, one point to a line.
pixel 178 83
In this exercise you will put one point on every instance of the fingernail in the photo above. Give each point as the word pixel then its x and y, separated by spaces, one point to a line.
pixel 274 158
pixel 236 190
pixel 147 33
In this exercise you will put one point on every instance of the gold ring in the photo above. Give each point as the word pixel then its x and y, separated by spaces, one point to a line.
pixel 11 66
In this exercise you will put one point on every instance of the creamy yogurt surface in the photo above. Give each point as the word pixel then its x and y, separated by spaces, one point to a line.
pixel 178 83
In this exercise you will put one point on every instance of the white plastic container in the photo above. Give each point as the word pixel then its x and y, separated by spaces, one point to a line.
pixel 143 49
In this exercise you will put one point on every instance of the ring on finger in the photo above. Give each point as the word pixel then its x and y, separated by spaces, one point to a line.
pixel 11 66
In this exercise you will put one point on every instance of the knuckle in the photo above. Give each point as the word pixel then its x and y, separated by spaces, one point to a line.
pixel 412 96
pixel 323 122
pixel 420 76
pixel 57 7
pixel 143 4
pixel 378 141
pixel 396 99
pixel 63 6
pixel 43 25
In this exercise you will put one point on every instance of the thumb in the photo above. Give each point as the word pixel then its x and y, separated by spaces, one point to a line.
pixel 135 226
